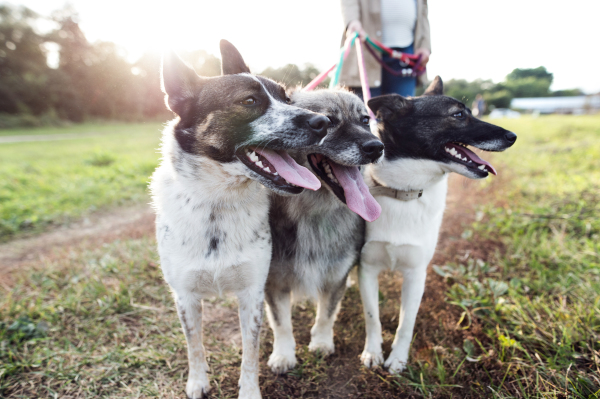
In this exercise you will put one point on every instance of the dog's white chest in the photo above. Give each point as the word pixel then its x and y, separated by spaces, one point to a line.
pixel 408 229
pixel 211 243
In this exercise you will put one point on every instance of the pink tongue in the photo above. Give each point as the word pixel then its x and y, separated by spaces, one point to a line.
pixel 290 170
pixel 470 154
pixel 358 197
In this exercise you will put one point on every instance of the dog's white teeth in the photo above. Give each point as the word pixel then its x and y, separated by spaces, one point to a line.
pixel 276 174
pixel 447 149
pixel 453 151
pixel 267 169
pixel 259 164
pixel 482 167
pixel 253 157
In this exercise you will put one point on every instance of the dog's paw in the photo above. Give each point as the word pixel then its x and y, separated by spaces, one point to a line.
pixel 281 363
pixel 197 389
pixel 371 359
pixel 326 348
pixel 250 392
pixel 395 365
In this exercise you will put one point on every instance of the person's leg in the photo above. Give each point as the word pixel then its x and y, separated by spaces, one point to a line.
pixel 403 85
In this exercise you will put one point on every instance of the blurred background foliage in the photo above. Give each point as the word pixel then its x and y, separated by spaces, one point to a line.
pixel 520 83
pixel 48 76
pixel 55 75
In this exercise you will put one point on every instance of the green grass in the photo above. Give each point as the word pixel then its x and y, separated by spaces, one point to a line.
pixel 86 128
pixel 48 182
pixel 538 301
pixel 517 316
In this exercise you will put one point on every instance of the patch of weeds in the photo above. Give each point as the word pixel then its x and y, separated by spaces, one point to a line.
pixel 100 158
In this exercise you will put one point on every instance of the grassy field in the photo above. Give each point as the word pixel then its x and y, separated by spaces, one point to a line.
pixel 50 182
pixel 511 309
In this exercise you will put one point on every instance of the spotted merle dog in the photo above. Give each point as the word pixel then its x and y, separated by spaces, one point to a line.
pixel 317 236
pixel 226 145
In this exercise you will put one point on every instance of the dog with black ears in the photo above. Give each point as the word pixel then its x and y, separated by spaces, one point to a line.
pixel 426 138
pixel 228 142
pixel 317 236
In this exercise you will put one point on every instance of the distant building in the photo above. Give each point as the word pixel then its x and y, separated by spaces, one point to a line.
pixel 558 105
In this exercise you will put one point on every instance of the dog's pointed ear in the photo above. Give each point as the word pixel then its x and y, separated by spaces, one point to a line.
pixel 179 82
pixel 231 60
pixel 436 88
pixel 389 104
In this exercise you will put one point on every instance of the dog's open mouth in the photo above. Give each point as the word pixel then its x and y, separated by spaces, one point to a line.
pixel 347 184
pixel 458 152
pixel 280 168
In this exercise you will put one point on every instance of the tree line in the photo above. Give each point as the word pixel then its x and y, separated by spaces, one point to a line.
pixel 520 83
pixel 58 75
pixel 87 80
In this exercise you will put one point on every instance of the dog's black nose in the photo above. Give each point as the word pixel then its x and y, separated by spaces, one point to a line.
pixel 510 137
pixel 319 124
pixel 373 149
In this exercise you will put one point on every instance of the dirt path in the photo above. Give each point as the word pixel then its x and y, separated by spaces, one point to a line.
pixel 92 231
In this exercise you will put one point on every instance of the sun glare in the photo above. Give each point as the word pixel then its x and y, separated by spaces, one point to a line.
pixel 262 33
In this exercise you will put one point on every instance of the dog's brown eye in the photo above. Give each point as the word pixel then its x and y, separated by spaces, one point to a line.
pixel 248 101
pixel 288 100
pixel 459 115
pixel 365 120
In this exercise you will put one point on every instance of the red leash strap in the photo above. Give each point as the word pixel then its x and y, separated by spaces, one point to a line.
pixel 417 70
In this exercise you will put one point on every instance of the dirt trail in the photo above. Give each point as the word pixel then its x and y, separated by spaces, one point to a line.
pixel 92 231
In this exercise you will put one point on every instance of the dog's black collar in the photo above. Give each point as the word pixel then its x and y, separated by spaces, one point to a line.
pixel 402 195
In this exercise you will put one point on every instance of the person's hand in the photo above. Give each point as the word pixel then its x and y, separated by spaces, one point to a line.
pixel 424 53
pixel 356 26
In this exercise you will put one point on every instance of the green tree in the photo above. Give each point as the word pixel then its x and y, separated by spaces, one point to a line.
pixel 466 91
pixel 534 82
pixel 292 75
pixel 23 69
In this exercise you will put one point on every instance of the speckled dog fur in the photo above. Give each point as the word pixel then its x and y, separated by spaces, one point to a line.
pixel 316 238
pixel 212 222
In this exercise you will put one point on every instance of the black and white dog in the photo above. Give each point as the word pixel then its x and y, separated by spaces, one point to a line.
pixel 425 139
pixel 227 144
pixel 317 236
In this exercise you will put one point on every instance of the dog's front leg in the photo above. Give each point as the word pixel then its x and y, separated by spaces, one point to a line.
pixel 321 333
pixel 279 312
pixel 369 292
pixel 189 308
pixel 413 285
pixel 374 258
pixel 251 315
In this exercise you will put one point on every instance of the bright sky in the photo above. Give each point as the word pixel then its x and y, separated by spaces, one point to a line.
pixel 470 38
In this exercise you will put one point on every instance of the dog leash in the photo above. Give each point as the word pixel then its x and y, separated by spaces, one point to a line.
pixel 411 61
pixel 413 71
pixel 323 75
pixel 364 80
pixel 407 60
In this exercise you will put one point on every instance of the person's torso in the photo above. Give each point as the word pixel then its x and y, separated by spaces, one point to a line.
pixel 398 19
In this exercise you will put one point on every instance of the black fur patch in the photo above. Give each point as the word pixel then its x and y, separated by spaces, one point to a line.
pixel 419 127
